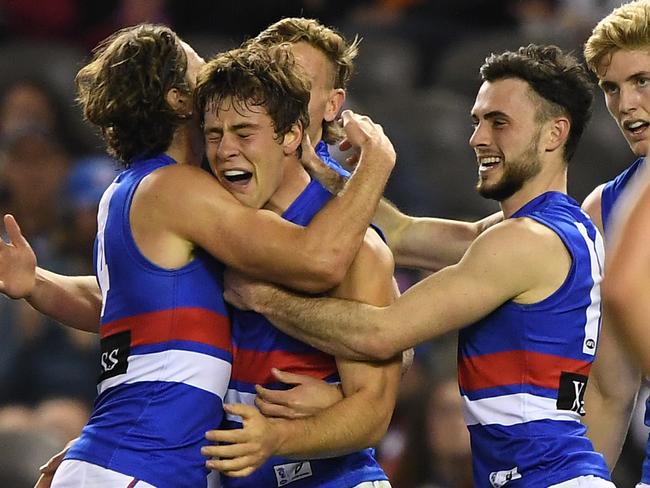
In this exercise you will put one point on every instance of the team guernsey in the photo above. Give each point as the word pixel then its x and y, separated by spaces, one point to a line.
pixel 610 194
pixel 165 353
pixel 523 369
pixel 258 347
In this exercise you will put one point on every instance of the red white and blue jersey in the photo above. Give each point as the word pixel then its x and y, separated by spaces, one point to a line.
pixel 166 353
pixel 523 369
pixel 612 191
pixel 258 347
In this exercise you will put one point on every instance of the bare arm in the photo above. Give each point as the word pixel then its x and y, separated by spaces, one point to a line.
pixel 614 380
pixel 313 258
pixel 626 287
pixel 426 242
pixel 72 300
pixel 611 396
pixel 503 263
pixel 357 421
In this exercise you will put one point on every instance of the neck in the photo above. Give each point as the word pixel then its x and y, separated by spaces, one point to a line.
pixel 187 145
pixel 553 177
pixel 294 181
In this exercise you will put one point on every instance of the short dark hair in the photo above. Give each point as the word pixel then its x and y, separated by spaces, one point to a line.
pixel 256 76
pixel 122 90
pixel 558 78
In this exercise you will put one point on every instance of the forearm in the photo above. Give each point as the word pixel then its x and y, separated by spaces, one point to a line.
pixel 327 324
pixel 607 422
pixel 336 233
pixel 426 242
pixel 354 423
pixel 74 301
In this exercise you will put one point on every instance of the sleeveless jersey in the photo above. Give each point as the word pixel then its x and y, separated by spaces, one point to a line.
pixel 523 369
pixel 324 154
pixel 257 347
pixel 612 190
pixel 166 353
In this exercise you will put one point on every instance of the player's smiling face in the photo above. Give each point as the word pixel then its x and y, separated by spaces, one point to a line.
pixel 244 151
pixel 624 78
pixel 505 137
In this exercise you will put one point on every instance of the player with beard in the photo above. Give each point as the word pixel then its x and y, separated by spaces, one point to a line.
pixel 526 295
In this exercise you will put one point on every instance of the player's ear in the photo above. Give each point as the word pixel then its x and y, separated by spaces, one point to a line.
pixel 334 104
pixel 292 139
pixel 558 133
pixel 181 102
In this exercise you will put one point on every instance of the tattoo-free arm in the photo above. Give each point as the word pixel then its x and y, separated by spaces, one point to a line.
pixel 626 285
pixel 610 396
pixel 74 301
pixel 426 242
pixel 501 264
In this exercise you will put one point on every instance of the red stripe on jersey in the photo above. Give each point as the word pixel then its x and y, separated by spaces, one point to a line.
pixel 516 367
pixel 254 367
pixel 178 324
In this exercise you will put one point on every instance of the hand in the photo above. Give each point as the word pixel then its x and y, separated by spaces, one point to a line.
pixel 50 467
pixel 17 262
pixel 317 168
pixel 368 137
pixel 245 449
pixel 243 292
pixel 308 397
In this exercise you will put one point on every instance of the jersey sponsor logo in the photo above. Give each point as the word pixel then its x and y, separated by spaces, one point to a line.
pixel 115 351
pixel 290 472
pixel 501 478
pixel 571 394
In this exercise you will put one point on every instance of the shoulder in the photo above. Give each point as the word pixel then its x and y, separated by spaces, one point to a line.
pixel 522 241
pixel 178 184
pixel 592 205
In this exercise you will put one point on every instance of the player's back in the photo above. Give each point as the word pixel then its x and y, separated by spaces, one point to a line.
pixel 165 353
pixel 523 369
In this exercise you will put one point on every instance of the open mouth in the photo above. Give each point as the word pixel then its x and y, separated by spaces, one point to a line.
pixel 237 176
pixel 636 126
pixel 487 163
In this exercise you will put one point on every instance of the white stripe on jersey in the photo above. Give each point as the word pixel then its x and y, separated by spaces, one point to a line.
pixel 235 396
pixel 592 323
pixel 513 409
pixel 191 368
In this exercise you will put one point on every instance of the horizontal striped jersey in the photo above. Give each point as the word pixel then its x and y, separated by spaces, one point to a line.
pixel 523 368
pixel 611 192
pixel 258 347
pixel 166 353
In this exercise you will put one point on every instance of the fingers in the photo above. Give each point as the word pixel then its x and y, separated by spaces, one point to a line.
pixel 290 378
pixel 275 410
pixel 246 412
pixel 13 231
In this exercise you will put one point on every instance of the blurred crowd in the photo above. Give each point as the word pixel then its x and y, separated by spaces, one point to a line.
pixel 416 74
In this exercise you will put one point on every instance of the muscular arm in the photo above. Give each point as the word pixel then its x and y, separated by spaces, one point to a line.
pixel 72 300
pixel 370 389
pixel 425 242
pixel 626 287
pixel 613 381
pixel 357 421
pixel 260 243
pixel 506 262
pixel 611 395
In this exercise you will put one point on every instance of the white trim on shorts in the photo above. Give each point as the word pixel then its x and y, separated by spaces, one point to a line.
pixel 373 484
pixel 642 485
pixel 585 482
pixel 73 473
